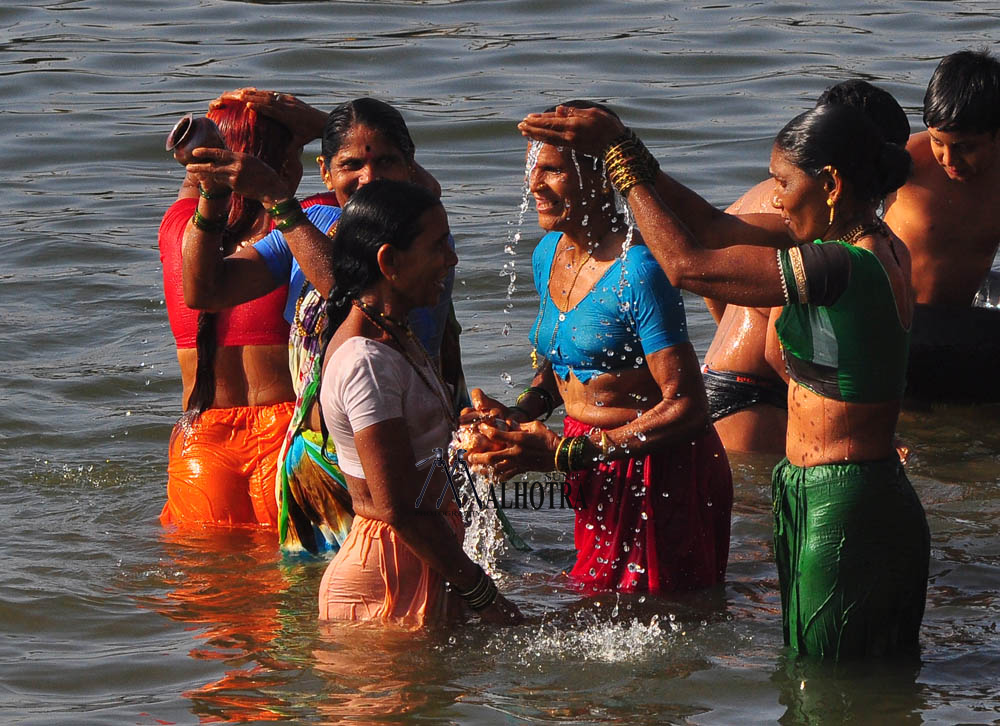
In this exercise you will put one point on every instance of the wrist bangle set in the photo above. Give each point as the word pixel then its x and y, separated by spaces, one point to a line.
pixel 571 454
pixel 483 594
pixel 211 226
pixel 205 194
pixel 547 401
pixel 628 163
pixel 290 213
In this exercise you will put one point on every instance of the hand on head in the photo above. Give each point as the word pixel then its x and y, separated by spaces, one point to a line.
pixel 305 122
pixel 589 130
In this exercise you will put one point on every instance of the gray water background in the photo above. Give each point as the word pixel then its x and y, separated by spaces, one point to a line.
pixel 107 619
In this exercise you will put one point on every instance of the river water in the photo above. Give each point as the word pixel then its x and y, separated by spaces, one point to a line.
pixel 107 619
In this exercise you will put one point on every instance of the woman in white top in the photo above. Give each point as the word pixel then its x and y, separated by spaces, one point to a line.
pixel 385 406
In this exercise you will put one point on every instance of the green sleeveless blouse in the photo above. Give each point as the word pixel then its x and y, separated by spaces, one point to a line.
pixel 854 349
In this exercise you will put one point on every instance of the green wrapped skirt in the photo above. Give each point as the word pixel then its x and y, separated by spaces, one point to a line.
pixel 853 549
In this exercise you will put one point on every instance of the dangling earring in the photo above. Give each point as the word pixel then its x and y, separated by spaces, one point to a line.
pixel 830 203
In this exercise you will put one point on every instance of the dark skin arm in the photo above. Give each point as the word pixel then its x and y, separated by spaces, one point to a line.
pixel 219 283
pixel 389 463
pixel 532 405
pixel 680 228
pixel 681 414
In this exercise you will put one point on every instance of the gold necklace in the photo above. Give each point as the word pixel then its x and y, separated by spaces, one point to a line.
pixel 560 317
pixel 441 389
pixel 862 230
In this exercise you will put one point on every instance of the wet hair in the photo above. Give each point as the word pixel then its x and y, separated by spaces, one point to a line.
pixel 964 93
pixel 877 104
pixel 845 138
pixel 247 132
pixel 370 112
pixel 381 212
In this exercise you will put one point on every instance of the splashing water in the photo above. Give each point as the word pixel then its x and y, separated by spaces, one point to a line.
pixel 589 638
pixel 484 539
pixel 514 232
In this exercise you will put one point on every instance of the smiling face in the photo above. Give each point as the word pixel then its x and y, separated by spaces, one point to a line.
pixel 365 155
pixel 421 270
pixel 799 198
pixel 554 182
pixel 964 155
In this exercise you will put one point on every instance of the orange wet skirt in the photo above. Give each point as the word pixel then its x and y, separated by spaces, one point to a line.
pixel 222 468
pixel 375 576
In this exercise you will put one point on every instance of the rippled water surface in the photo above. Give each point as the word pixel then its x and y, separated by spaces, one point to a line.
pixel 108 619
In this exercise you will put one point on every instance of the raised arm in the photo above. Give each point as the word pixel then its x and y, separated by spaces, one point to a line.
pixel 681 229
pixel 247 175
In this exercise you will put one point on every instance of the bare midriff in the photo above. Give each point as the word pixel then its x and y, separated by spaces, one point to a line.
pixel 825 431
pixel 610 399
pixel 245 375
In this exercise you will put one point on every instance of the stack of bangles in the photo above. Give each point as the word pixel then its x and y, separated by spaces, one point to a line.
pixel 483 594
pixel 547 401
pixel 290 213
pixel 574 453
pixel 628 163
pixel 212 226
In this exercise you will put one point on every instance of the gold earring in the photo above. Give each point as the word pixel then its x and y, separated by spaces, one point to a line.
pixel 394 276
pixel 830 203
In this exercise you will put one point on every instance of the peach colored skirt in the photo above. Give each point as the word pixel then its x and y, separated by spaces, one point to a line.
pixel 375 576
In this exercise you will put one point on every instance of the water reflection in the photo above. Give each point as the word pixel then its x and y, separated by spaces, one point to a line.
pixel 227 586
pixel 816 693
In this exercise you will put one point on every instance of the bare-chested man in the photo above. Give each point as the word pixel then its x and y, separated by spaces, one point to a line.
pixel 948 213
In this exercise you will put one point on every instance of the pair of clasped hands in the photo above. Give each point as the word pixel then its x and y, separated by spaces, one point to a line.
pixel 501 441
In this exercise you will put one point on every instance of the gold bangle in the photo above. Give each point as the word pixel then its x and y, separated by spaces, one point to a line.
pixel 558 447
pixel 604 444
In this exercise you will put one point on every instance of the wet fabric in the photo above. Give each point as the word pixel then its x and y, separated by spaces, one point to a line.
pixel 853 548
pixel 375 576
pixel 257 322
pixel 854 349
pixel 632 311
pixel 730 392
pixel 316 508
pixel 656 524
pixel 222 467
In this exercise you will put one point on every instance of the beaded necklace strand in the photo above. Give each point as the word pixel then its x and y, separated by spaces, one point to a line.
pixel 378 318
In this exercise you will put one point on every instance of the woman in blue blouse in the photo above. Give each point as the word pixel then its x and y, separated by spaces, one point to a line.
pixel 645 469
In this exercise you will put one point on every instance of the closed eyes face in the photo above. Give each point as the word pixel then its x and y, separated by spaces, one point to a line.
pixel 365 155
pixel 963 155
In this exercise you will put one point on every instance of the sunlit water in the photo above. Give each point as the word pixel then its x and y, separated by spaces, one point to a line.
pixel 109 619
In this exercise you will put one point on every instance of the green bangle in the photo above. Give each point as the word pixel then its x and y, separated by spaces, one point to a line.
pixel 547 400
pixel 282 208
pixel 217 195
pixel 577 453
pixel 212 226
pixel 291 220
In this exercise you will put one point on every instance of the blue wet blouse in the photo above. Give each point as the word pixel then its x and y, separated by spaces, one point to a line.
pixel 631 312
